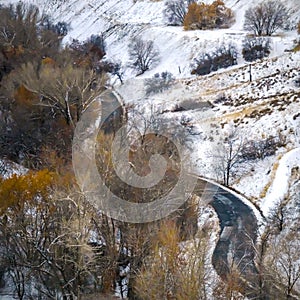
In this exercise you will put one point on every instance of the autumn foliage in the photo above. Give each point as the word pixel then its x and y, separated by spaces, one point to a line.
pixel 25 190
pixel 208 16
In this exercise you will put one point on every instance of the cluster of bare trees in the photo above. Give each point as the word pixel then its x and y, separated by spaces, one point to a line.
pixel 46 247
pixel 194 15
pixel 53 244
pixel 278 251
pixel 176 271
pixel 45 87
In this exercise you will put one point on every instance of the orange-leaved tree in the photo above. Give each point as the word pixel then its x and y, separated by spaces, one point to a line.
pixel 45 238
pixel 208 16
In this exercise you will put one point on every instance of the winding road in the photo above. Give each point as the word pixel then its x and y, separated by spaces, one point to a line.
pixel 238 222
pixel 237 237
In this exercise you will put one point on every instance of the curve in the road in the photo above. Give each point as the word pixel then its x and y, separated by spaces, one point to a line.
pixel 238 223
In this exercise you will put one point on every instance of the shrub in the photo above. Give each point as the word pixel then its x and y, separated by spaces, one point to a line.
pixel 90 52
pixel 263 148
pixel 115 68
pixel 208 16
pixel 223 57
pixel 202 65
pixel 255 48
pixel 297 81
pixel 159 82
pixel 60 28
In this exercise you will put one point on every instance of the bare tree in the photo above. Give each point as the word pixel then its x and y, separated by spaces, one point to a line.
pixel 227 155
pixel 266 18
pixel 282 264
pixel 278 215
pixel 175 11
pixel 54 247
pixel 142 54
pixel 174 270
pixel 67 89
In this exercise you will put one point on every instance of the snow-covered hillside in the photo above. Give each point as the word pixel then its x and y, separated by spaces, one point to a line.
pixel 120 20
pixel 267 106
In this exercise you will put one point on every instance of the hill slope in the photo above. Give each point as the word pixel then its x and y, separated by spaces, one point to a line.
pixel 120 20
pixel 267 106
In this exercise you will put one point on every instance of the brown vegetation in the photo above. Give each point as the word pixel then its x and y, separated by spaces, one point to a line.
pixel 207 16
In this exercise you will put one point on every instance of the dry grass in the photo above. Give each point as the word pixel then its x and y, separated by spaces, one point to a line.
pixel 297 48
pixel 265 189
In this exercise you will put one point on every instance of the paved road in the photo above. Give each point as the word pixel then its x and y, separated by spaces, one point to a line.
pixel 238 222
pixel 238 234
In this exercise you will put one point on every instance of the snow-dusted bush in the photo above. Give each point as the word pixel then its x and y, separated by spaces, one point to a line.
pixel 297 81
pixel 255 48
pixel 202 65
pixel 60 28
pixel 98 41
pixel 159 82
pixel 262 148
pixel 223 57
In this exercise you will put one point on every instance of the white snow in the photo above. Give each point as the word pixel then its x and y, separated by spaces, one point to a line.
pixel 280 184
pixel 9 168
pixel 121 20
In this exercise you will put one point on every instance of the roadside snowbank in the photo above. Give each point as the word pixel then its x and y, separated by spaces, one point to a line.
pixel 280 184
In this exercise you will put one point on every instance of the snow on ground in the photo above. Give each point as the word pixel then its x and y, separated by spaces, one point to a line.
pixel 121 20
pixel 272 88
pixel 268 106
pixel 9 168
pixel 280 184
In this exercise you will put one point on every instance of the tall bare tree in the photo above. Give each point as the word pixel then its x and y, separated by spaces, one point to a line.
pixel 266 18
pixel 142 54
pixel 175 11
pixel 227 155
